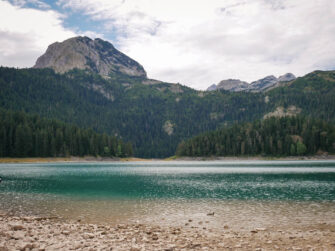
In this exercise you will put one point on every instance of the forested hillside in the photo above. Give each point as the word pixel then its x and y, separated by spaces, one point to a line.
pixel 286 136
pixel 154 117
pixel 22 135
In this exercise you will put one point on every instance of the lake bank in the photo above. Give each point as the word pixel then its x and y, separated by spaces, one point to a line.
pixel 130 159
pixel 167 205
pixel 42 233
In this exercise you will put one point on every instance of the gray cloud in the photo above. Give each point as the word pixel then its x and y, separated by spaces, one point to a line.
pixel 200 42
pixel 12 53
pixel 25 32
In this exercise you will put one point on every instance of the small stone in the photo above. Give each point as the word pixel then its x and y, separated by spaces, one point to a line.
pixel 66 232
pixel 194 245
pixel 17 227
pixel 18 235
pixel 189 220
pixel 225 227
pixel 154 237
pixel 25 246
pixel 254 231
pixel 211 214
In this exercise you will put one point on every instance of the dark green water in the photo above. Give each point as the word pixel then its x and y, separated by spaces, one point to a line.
pixel 108 191
pixel 295 180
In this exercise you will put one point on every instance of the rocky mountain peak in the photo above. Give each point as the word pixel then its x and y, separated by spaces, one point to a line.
pixel 286 77
pixel 232 84
pixel 96 55
pixel 236 85
pixel 263 83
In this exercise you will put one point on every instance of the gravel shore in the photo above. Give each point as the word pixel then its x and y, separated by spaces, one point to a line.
pixel 41 233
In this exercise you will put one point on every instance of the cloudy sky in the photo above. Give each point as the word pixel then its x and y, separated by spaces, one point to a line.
pixel 193 42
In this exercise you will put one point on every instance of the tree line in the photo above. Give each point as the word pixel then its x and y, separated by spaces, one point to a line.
pixel 23 135
pixel 285 136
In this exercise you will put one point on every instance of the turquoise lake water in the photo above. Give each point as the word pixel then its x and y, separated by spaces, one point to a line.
pixel 120 190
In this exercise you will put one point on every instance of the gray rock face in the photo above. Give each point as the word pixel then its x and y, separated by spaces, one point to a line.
pixel 84 53
pixel 263 83
pixel 286 77
pixel 213 87
pixel 236 85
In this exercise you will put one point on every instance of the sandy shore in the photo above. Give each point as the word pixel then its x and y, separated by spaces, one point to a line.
pixel 36 233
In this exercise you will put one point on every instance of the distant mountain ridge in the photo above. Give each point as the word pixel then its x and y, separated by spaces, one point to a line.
pixel 236 85
pixel 83 53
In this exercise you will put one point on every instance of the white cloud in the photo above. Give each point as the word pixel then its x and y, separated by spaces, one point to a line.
pixel 194 42
pixel 200 42
pixel 25 33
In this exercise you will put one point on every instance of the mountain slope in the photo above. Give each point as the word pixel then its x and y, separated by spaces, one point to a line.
pixel 155 118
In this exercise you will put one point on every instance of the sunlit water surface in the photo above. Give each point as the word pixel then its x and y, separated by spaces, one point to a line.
pixel 256 192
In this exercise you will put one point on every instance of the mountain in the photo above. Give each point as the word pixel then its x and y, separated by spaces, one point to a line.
pixel 236 85
pixel 96 55
pixel 154 116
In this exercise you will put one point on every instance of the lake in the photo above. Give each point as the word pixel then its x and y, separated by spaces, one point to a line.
pixel 172 192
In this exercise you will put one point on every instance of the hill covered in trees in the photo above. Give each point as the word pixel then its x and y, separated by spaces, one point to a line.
pixel 152 115
pixel 23 135
pixel 285 136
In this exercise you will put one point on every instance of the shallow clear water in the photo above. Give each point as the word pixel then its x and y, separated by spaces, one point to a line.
pixel 155 190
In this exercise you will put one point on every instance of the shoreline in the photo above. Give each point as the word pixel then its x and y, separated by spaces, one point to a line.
pixel 89 159
pixel 68 159
pixel 43 233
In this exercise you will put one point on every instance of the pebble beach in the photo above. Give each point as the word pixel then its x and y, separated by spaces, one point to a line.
pixel 42 233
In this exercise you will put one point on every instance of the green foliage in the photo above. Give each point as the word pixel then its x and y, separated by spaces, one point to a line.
pixel 122 106
pixel 292 150
pixel 301 148
pixel 23 135
pixel 271 137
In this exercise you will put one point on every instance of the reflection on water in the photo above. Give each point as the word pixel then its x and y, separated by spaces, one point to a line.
pixel 173 192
